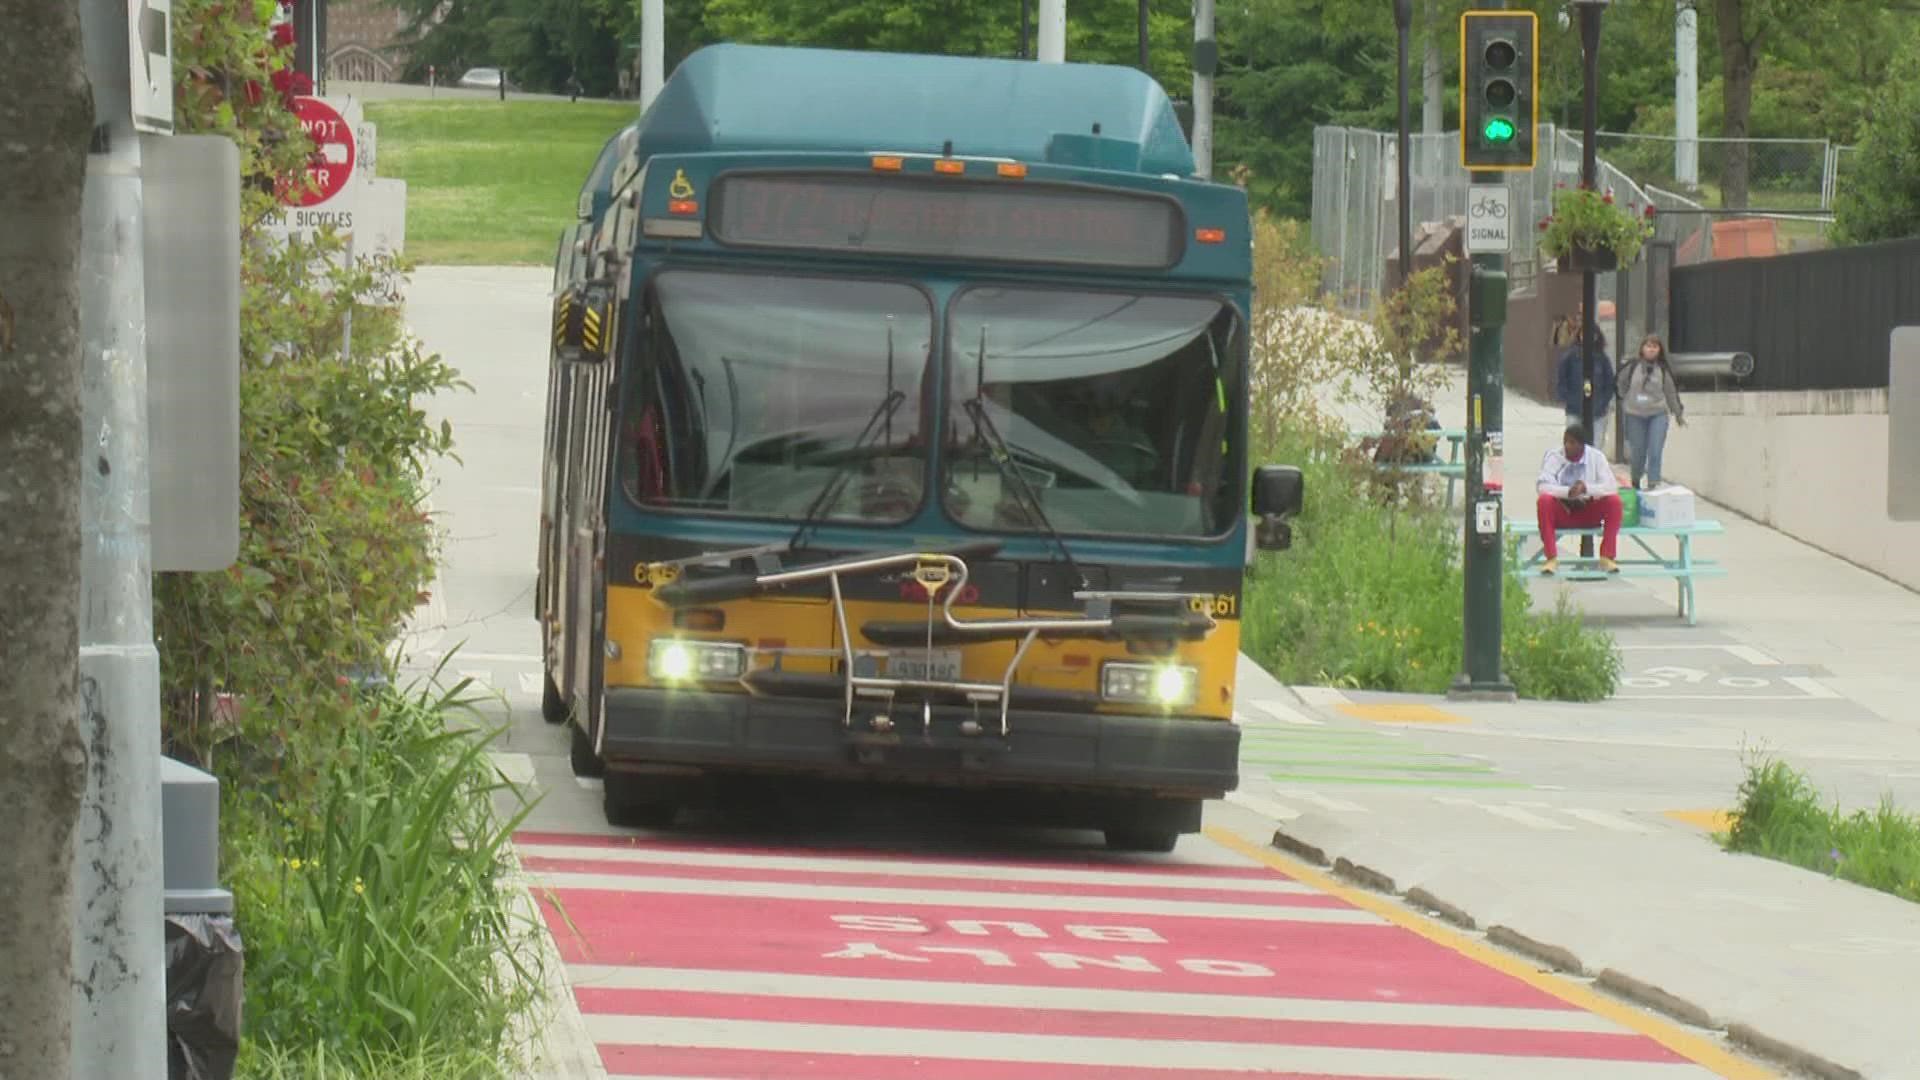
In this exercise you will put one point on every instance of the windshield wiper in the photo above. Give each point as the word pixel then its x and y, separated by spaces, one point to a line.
pixel 1002 457
pixel 880 420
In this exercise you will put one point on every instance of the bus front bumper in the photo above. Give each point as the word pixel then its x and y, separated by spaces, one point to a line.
pixel 721 733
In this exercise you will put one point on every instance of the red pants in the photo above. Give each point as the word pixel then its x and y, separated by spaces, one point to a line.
pixel 1604 511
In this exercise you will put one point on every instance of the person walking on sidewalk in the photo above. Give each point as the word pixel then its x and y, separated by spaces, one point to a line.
pixel 1578 491
pixel 1650 400
pixel 1571 383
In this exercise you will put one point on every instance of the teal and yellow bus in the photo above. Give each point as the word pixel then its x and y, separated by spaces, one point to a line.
pixel 897 433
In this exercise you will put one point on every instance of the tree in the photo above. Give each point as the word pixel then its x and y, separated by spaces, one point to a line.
pixel 1752 30
pixel 46 110
pixel 1881 198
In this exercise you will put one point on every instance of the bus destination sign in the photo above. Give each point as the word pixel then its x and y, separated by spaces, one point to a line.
pixel 956 219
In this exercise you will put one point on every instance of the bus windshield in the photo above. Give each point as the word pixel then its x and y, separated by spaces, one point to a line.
pixel 755 393
pixel 1113 408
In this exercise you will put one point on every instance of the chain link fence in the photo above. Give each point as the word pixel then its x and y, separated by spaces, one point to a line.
pixel 1791 186
pixel 1356 221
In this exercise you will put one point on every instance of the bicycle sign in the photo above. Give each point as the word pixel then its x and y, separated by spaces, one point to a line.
pixel 1489 209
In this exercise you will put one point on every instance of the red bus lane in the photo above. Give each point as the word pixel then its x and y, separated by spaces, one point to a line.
pixel 710 961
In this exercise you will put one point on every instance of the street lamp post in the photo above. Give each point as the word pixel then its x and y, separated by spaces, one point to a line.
pixel 1590 11
pixel 1403 21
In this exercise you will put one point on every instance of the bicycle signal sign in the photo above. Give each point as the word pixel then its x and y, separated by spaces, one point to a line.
pixel 1489 220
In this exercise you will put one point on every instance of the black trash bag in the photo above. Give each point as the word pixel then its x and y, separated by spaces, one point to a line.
pixel 205 962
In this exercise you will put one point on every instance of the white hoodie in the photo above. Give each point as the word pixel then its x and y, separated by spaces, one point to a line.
pixel 1558 475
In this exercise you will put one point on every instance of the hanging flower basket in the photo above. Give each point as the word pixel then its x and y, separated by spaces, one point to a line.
pixel 1600 260
pixel 1589 231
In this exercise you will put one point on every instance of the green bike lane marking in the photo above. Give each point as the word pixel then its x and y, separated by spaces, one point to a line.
pixel 1357 756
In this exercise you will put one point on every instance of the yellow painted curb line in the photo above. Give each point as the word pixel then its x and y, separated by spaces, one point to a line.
pixel 1697 1049
pixel 1387 713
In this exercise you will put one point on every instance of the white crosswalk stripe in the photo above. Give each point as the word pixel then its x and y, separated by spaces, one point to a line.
pixel 1605 820
pixel 1510 813
pixel 1264 807
pixel 1327 802
pixel 1321 695
pixel 1287 714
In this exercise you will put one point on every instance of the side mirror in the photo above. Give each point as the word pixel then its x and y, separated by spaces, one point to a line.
pixel 1279 491
pixel 583 322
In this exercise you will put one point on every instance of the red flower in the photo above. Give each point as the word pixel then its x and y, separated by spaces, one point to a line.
pixel 1545 224
pixel 1650 211
pixel 1607 198
pixel 290 83
pixel 254 93
pixel 283 35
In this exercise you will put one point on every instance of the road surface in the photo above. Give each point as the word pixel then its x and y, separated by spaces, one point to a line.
pixel 854 940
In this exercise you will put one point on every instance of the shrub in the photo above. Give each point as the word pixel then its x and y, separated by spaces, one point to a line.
pixel 382 925
pixel 359 833
pixel 1372 599
pixel 1371 594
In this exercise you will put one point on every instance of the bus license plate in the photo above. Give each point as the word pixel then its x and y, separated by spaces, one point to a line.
pixel 943 665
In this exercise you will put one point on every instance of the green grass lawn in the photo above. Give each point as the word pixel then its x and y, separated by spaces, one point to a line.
pixel 491 182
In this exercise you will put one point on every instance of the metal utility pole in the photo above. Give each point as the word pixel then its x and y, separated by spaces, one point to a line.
pixel 1145 65
pixel 653 50
pixel 1686 95
pixel 1498 117
pixel 119 965
pixel 1206 61
pixel 1589 178
pixel 1403 22
pixel 1053 31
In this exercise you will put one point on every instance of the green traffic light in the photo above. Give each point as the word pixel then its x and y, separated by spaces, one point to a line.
pixel 1498 130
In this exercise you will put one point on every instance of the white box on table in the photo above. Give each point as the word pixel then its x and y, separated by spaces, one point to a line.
pixel 1667 507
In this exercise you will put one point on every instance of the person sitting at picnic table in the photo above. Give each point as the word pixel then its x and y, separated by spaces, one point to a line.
pixel 1578 491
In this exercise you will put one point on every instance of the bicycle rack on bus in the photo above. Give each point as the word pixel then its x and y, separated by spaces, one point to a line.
pixel 943 575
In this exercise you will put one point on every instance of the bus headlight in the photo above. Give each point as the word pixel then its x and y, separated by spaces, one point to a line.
pixel 671 660
pixel 1149 684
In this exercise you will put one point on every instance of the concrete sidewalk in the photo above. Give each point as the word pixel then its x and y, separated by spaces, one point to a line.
pixel 1580 831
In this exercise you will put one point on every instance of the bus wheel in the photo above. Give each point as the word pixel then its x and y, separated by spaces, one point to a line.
pixel 585 761
pixel 631 804
pixel 1134 838
pixel 553 708
pixel 1152 824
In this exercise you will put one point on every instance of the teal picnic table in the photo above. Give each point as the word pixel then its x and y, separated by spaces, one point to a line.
pixel 1683 567
pixel 1453 469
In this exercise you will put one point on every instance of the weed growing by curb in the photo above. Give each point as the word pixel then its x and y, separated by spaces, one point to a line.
pixel 1781 816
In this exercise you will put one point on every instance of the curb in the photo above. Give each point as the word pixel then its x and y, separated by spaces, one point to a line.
pixel 1788 1054
pixel 550 1039
pixel 1616 983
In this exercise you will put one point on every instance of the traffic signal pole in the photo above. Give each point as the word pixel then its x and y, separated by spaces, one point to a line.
pixel 1498 117
pixel 1483 562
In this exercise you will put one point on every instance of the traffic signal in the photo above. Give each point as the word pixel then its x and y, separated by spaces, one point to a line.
pixel 1499 89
